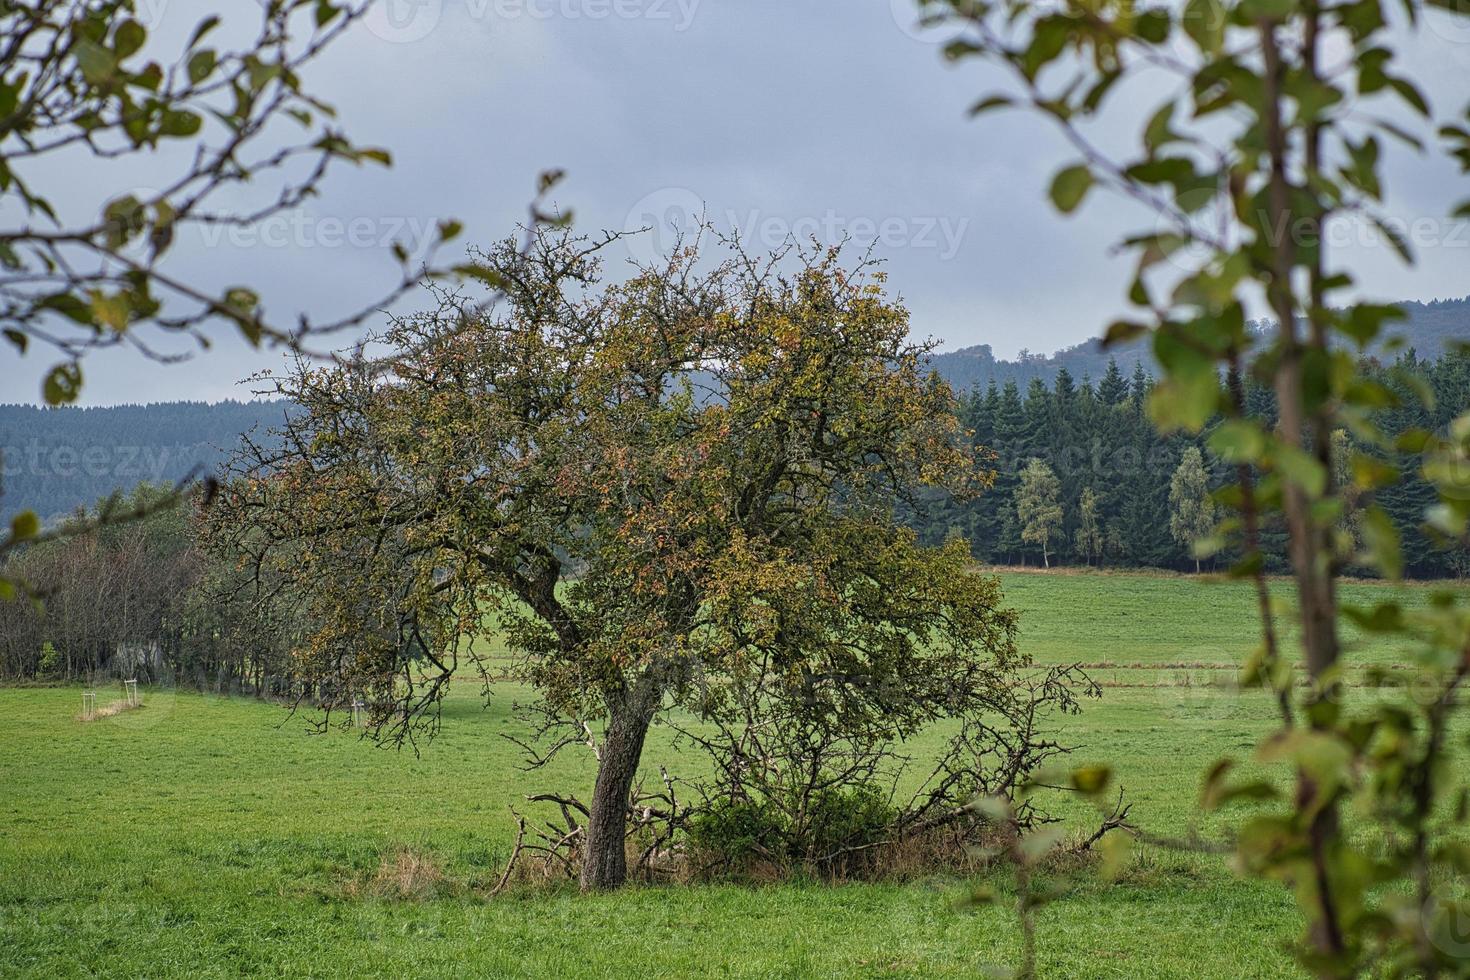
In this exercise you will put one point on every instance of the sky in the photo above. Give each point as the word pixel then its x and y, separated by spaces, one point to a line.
pixel 824 117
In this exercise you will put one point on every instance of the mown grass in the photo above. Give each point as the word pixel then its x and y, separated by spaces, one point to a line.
pixel 208 836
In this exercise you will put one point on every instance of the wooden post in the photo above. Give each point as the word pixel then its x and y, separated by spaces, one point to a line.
pixel 131 689
pixel 89 705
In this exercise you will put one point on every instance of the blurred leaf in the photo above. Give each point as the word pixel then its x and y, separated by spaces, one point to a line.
pixel 24 526
pixel 63 383
pixel 1069 187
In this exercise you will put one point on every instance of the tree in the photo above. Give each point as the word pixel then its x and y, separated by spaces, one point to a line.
pixel 1191 511
pixel 652 485
pixel 1113 390
pixel 1256 141
pixel 1038 507
pixel 1089 528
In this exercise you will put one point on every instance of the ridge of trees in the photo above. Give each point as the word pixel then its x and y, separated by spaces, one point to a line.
pixel 1097 439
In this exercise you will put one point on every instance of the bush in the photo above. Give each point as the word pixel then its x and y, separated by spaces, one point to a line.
pixel 737 831
pixel 49 666
pixel 818 832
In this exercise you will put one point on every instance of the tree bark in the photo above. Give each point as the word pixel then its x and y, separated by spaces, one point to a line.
pixel 604 859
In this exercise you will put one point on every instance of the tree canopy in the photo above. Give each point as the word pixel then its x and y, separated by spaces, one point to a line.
pixel 651 485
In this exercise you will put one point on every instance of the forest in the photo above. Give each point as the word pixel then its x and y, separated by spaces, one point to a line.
pixel 1114 470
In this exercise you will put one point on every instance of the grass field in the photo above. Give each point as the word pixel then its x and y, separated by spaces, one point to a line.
pixel 211 836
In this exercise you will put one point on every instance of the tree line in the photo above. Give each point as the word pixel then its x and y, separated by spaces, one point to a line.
pixel 142 598
pixel 1083 476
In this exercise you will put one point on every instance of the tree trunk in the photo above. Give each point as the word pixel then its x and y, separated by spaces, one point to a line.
pixel 604 860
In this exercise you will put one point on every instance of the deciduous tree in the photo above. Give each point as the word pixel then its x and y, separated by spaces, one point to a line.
pixel 1191 511
pixel 650 486
pixel 1038 506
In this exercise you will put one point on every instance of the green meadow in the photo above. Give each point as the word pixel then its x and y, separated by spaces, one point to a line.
pixel 213 836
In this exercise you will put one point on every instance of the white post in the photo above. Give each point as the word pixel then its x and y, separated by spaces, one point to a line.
pixel 357 712
pixel 131 689
pixel 89 704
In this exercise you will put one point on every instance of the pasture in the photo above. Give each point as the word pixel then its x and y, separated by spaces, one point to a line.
pixel 211 836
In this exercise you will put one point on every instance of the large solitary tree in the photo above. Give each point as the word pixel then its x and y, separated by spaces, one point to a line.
pixel 648 485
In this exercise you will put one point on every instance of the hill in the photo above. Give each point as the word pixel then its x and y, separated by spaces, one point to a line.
pixel 1429 327
pixel 59 459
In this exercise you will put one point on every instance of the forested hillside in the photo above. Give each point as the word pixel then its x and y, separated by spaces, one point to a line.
pixel 59 459
pixel 1079 411
pixel 1114 474
pixel 1428 328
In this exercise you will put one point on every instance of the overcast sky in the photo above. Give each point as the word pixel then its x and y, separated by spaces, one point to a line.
pixel 824 117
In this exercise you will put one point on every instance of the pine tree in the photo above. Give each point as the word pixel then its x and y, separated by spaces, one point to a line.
pixel 1113 390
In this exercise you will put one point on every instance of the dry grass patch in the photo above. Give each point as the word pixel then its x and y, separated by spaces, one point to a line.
pixel 115 708
pixel 405 874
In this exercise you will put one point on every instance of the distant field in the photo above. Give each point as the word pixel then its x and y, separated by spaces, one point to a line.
pixel 212 837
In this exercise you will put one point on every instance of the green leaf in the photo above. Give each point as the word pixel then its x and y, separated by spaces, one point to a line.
pixel 1381 543
pixel 489 276
pixel 326 12
pixel 1385 617
pixel 128 38
pixel 205 26
pixel 1395 239
pixel 1070 186
pixel 179 122
pixel 1238 441
pixel 1301 469
pixel 20 340
pixel 989 103
pixel 1204 22
pixel 96 62
pixel 63 384
pixel 1410 94
pixel 112 310
pixel 1091 780
pixel 1117 850
pixel 201 65
pixel 24 526
pixel 1122 331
